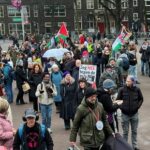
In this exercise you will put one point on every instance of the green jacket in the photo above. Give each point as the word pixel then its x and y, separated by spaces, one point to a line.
pixel 86 122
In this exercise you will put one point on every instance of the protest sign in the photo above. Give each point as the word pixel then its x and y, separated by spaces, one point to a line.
pixel 88 72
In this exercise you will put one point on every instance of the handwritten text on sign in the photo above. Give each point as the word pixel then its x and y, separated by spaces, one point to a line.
pixel 88 72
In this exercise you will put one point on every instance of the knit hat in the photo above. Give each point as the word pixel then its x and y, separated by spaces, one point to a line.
pixel 65 73
pixel 89 92
pixel 108 84
pixel 82 80
pixel 4 105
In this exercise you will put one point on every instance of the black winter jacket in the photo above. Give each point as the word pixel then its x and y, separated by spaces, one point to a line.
pixel 105 98
pixel 132 99
pixel 20 76
pixel 34 80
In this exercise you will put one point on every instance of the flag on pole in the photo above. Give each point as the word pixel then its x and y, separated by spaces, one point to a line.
pixel 62 34
pixel 121 39
pixel 17 4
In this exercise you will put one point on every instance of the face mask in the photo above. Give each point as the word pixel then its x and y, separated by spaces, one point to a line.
pixel 46 81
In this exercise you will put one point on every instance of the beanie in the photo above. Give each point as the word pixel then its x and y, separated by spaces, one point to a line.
pixel 89 92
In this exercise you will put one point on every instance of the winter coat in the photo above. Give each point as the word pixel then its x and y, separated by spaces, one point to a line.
pixel 75 73
pixel 85 122
pixel 105 98
pixel 67 93
pixel 42 141
pixel 7 74
pixel 143 51
pixel 43 97
pixel 34 80
pixel 105 75
pixel 132 99
pixel 119 63
pixel 20 76
pixel 56 79
pixel 69 65
pixel 6 132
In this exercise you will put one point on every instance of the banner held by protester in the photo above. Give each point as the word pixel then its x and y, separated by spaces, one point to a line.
pixel 88 72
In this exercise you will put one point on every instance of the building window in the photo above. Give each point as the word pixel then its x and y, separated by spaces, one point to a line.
pixel 35 10
pixel 125 18
pixel 124 4
pixel 78 23
pixel 48 10
pixel 60 11
pixel 90 22
pixel 17 28
pixel 99 5
pixel 57 10
pixel 111 5
pixel 13 12
pixel 135 2
pixel 147 2
pixel 78 4
pixel 90 4
pixel 135 15
pixel 2 29
pixel 48 26
pixel 1 11
pixel 60 23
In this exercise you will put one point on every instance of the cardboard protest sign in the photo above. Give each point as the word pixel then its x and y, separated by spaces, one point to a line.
pixel 88 72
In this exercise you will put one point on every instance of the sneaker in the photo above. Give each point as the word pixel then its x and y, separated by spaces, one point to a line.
pixel 49 130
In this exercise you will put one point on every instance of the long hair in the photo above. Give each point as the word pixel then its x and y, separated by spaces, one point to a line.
pixel 33 69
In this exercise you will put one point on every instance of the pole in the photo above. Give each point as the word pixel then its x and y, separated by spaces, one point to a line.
pixel 22 22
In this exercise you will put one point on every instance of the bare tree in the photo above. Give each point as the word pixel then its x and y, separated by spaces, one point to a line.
pixel 118 13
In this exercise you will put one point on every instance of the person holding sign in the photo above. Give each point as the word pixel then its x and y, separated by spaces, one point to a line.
pixel 90 118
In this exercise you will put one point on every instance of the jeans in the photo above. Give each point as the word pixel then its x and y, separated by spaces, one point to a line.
pixel 133 120
pixel 9 92
pixel 144 67
pixel 133 71
pixel 46 112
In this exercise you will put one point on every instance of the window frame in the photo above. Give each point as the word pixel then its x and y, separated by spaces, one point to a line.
pixel 89 2
pixel 2 28
pixel 2 16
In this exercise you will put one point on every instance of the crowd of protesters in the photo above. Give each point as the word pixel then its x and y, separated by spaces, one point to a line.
pixel 57 81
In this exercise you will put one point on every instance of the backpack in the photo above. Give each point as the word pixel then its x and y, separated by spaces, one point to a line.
pixel 42 128
pixel 125 63
pixel 132 59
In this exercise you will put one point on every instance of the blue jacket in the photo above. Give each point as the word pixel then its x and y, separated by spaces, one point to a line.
pixel 7 74
pixel 56 79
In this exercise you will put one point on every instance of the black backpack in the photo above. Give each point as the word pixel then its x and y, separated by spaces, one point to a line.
pixel 132 59
pixel 125 63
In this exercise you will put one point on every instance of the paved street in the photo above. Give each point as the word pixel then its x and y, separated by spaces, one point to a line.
pixel 60 136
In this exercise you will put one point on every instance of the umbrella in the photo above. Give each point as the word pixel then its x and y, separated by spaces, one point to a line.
pixel 57 53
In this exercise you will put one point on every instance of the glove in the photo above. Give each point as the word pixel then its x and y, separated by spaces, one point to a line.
pixel 41 92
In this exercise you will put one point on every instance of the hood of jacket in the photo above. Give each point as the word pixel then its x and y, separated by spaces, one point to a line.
pixel 65 82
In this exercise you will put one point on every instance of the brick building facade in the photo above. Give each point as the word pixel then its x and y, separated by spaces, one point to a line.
pixel 45 16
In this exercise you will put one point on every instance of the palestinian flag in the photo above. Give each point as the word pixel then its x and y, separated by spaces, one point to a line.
pixel 62 34
pixel 121 39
